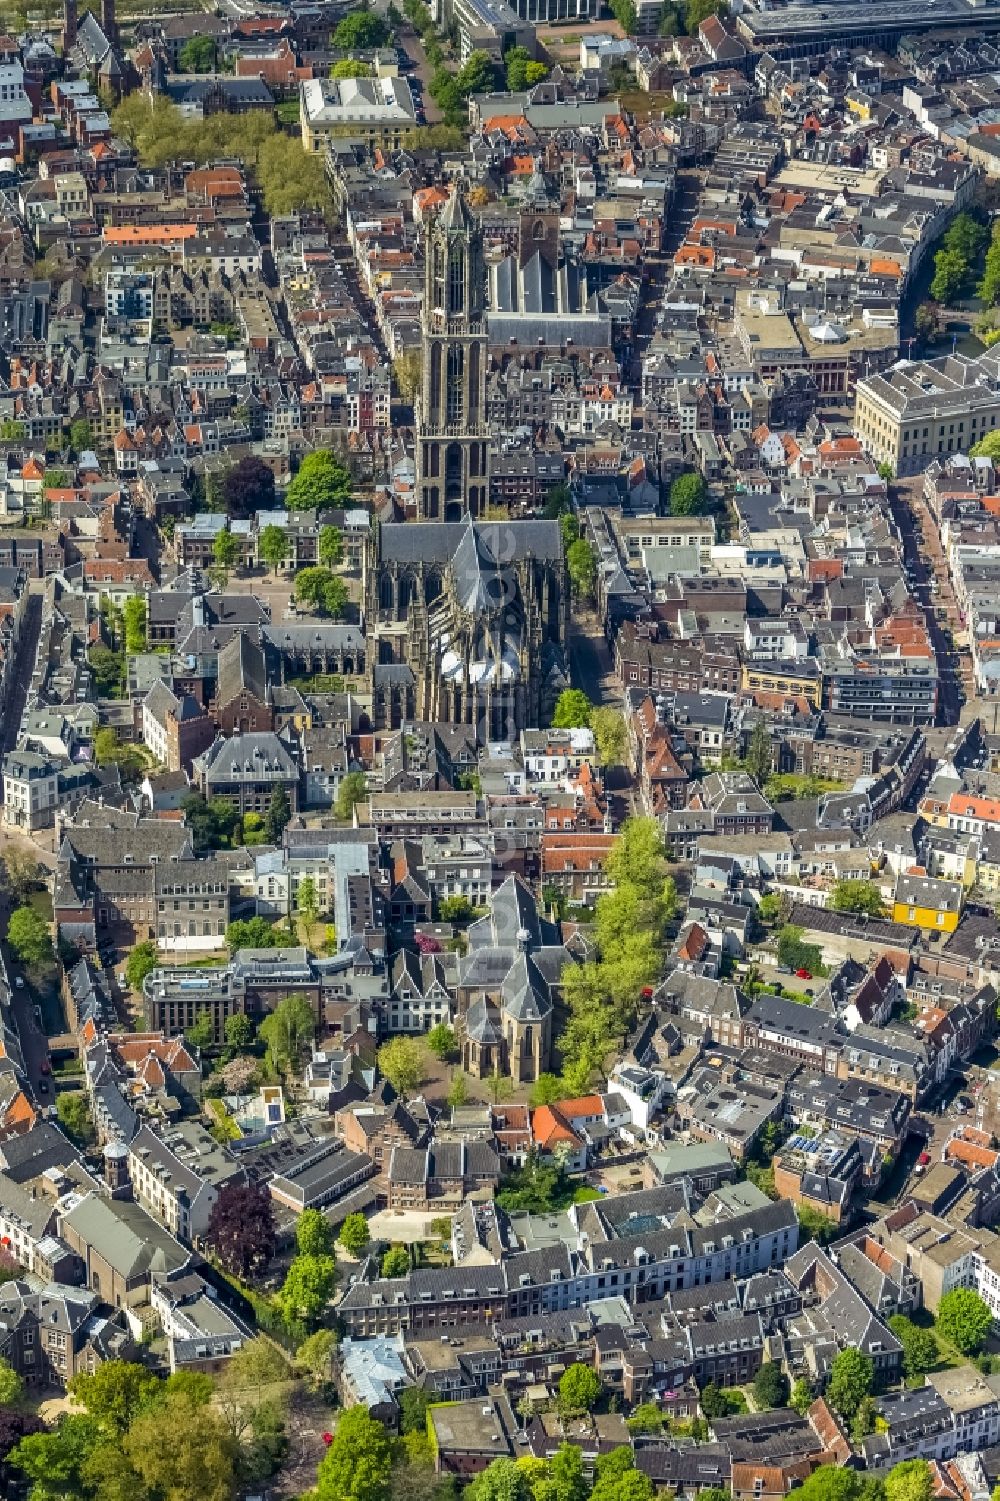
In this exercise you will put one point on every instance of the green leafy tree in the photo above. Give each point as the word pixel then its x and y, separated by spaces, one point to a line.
pixel 314 1234
pixel 441 1041
pixel 197 55
pixel 322 482
pixel 400 1060
pixel 272 547
pixel 857 896
pixel 770 908
pixel 278 813
pixel 713 1401
pixel 581 565
pixel 361 31
pixel 28 936
pixel 319 590
pixel 503 1480
pixel 964 1319
pixel 354 1234
pixel 357 1465
pixel 759 759
pixel 350 67
pixel 802 1398
pixel 288 1030
pixel 330 546
pixel 10 1384
pixel 179 1448
pixel 141 961
pixel 12 431
pixel 73 1111
pixel 81 435
pixel 547 1089
pixel 201 1032
pixel 226 550
pixel 458 1092
pixel 315 1357
pixel 134 616
pixel 770 1386
pixel 353 789
pixel 921 1351
pixel 579 1388
pixel 572 711
pixel 645 1419
pixel 307 1289
pixel 909 1481
pixel 240 1031
pixel 794 953
pixel 54 1461
pixel 688 495
pixel 406 370
pixel 625 14
pixel 987 447
pixel 926 318
pixel 950 272
pixel 291 178
pixel 253 933
pixel 307 902
pixel 851 1377
pixel 396 1262
pixel 610 738
pixel 115 1393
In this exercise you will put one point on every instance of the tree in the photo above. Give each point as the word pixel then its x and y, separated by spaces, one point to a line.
pixel 406 369
pixel 921 1351
pixel 610 740
pixel 313 1234
pixel 713 1402
pixel 315 1356
pixel 108 668
pixel 330 546
pixel 361 31
pixel 73 1111
pixel 645 1419
pixel 307 902
pixel 197 55
pixel 638 857
pixel 458 1092
pixel 287 1030
pixel 353 789
pixel 241 1228
pixel 320 590
pixel 579 1388
pixel 770 908
pixel 14 1426
pixel 851 1377
pixel 396 1262
pixel 307 1289
pixel 12 431
pixel 226 550
pixel 278 814
pixel 909 1481
pixel 857 896
pixel 179 1448
pixel 54 1460
pixel 987 448
pixel 115 1393
pixel 22 870
pixel 964 1319
pixel 358 1463
pixel 770 1386
pixel 581 565
pixel 802 1398
pixel 688 495
pixel 253 933
pixel 272 546
pixel 239 1031
pixel 759 759
pixel 950 272
pixel 201 1032
pixel 248 487
pixel 925 320
pixel 81 435
pixel 322 482
pixel 10 1384
pixel 28 935
pixel 354 1234
pixel 625 14
pixel 793 953
pixel 401 1062
pixel 134 617
pixel 503 1480
pixel 141 961
pixel 516 63
pixel 441 1041
pixel 350 67
pixel 572 711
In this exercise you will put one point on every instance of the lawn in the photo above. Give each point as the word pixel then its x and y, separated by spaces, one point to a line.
pixel 585 1194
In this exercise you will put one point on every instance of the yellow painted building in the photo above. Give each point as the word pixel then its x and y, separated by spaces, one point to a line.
pixel 923 902
pixel 782 677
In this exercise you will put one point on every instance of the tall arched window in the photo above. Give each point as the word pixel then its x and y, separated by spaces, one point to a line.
pixel 456 382
pixel 456 281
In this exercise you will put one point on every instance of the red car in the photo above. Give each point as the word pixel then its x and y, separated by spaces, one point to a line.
pixel 803 974
pixel 45 1068
pixel 924 1159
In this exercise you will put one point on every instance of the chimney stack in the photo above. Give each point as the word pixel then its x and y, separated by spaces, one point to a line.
pixel 69 25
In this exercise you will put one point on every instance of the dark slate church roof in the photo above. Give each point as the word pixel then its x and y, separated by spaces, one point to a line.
pixel 439 541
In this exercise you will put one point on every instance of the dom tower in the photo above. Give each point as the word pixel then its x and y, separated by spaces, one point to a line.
pixel 452 439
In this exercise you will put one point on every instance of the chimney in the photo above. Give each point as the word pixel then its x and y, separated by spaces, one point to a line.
pixel 116 1174
pixel 69 25
pixel 108 23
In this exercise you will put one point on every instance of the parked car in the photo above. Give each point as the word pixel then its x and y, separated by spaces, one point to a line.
pixel 19 982
pixel 803 974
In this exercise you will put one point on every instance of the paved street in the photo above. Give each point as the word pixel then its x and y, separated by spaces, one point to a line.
pixel 923 552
